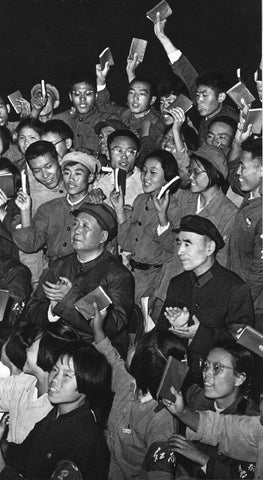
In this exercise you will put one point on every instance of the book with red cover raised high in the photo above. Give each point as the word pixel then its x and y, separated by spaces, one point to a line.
pixel 163 8
pixel 106 56
pixel 138 46
pixel 239 91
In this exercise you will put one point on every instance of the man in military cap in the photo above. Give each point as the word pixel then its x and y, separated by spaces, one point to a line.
pixel 206 303
pixel 72 277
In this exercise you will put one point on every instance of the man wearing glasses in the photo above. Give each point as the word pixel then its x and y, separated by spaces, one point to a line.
pixel 123 147
pixel 206 303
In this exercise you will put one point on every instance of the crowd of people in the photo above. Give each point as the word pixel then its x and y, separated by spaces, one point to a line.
pixel 85 216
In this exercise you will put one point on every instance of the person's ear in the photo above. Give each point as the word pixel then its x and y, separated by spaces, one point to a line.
pixel 104 236
pixel 56 104
pixel 91 179
pixel 221 97
pixel 153 100
pixel 96 96
pixel 211 246
pixel 69 143
pixel 70 96
pixel 8 107
pixel 240 379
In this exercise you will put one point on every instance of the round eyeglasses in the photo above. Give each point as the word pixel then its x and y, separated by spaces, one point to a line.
pixel 129 152
pixel 216 367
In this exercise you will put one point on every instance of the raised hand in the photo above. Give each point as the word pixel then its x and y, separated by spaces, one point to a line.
pixel 102 74
pixel 23 200
pixel 159 27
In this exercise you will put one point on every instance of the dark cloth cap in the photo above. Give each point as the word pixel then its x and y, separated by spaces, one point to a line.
pixel 111 122
pixel 104 215
pixel 202 226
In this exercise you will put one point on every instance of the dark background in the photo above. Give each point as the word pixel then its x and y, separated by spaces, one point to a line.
pixel 50 39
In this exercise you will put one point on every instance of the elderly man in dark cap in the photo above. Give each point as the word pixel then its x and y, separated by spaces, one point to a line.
pixel 206 303
pixel 71 278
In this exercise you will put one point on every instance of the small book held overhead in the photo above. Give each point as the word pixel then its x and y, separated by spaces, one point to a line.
pixel 138 46
pixel 167 186
pixel 251 339
pixel 15 100
pixel 163 8
pixel 106 56
pixel 120 180
pixel 181 101
pixel 173 376
pixel 254 117
pixel 85 304
pixel 239 91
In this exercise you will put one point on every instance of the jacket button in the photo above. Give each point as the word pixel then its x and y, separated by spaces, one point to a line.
pixel 49 455
pixel 64 244
pixel 197 305
pixel 68 229
pixel 139 223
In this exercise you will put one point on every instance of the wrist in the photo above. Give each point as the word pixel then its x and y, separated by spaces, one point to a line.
pixel 163 220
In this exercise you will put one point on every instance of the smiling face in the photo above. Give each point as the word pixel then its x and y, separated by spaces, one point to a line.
pixel 195 252
pixel 27 136
pixel 76 180
pixel 207 100
pixel 83 97
pixel 198 176
pixel 224 386
pixel 62 386
pixel 250 173
pixel 139 98
pixel 46 170
pixel 152 176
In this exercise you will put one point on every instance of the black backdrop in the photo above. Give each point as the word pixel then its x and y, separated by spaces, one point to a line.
pixel 51 38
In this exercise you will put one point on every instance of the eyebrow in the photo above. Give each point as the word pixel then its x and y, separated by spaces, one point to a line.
pixel 138 89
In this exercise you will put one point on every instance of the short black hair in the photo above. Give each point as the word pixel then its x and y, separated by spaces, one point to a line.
pixel 29 122
pixel 87 77
pixel 253 146
pixel 225 119
pixel 52 340
pixel 123 133
pixel 58 127
pixel 92 371
pixel 39 149
pixel 149 360
pixel 171 84
pixel 167 161
pixel 6 137
pixel 16 345
pixel 147 80
pixel 214 176
pixel 214 79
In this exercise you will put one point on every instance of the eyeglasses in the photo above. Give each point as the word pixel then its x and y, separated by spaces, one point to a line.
pixel 129 152
pixel 59 141
pixel 217 367
pixel 194 173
